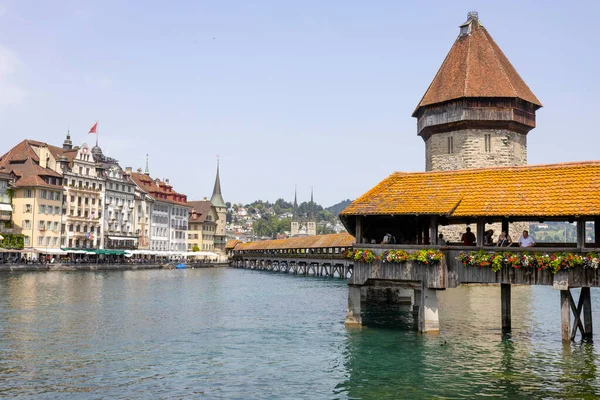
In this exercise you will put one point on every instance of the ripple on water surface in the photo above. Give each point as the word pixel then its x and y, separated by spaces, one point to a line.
pixel 223 333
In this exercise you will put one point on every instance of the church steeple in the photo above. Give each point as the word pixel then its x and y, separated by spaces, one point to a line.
pixel 295 211
pixel 147 170
pixel 217 198
pixel 312 206
pixel 311 225
pixel 67 144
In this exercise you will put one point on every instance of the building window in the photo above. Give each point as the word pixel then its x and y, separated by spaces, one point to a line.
pixel 43 194
pixel 28 193
pixel 40 240
pixel 55 241
pixel 42 209
pixel 450 144
pixel 26 224
pixel 47 240
pixel 26 241
pixel 87 171
pixel 488 143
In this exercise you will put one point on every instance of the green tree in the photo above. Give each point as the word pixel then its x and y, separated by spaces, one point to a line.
pixel 195 248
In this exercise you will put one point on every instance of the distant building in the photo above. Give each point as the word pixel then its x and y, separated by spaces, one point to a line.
pixel 303 226
pixel 202 223
pixel 169 213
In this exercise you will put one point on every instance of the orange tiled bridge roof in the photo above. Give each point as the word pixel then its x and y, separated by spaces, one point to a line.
pixel 305 242
pixel 569 189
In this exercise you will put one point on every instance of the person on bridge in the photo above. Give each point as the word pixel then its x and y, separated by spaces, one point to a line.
pixel 504 240
pixel 468 238
pixel 441 240
pixel 526 240
pixel 388 239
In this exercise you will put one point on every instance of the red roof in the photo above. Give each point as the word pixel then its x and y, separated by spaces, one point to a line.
pixel 158 190
pixel 476 67
pixel 199 208
pixel 23 161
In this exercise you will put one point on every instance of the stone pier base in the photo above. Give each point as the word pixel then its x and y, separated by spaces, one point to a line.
pixel 429 320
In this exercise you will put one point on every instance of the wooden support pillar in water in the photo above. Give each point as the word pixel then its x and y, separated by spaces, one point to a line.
pixel 353 316
pixel 416 304
pixel 429 320
pixel 565 315
pixel 505 300
pixel 587 313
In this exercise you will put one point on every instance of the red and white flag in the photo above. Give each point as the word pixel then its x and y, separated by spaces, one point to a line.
pixel 93 128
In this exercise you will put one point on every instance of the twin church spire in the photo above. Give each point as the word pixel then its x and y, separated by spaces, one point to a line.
pixel 311 223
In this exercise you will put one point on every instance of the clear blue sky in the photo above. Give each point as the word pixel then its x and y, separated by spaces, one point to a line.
pixel 311 93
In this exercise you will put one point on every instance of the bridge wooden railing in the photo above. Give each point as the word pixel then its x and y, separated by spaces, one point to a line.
pixel 451 272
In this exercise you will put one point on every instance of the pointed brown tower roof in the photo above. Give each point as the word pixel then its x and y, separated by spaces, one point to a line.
pixel 476 67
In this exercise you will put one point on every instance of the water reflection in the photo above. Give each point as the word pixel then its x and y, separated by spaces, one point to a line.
pixel 244 334
pixel 471 357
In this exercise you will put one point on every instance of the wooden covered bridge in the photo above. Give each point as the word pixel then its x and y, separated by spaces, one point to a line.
pixel 320 255
pixel 412 206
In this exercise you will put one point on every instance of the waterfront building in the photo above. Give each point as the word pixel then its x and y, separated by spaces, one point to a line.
pixel 141 213
pixel 84 182
pixel 168 213
pixel 119 209
pixel 37 193
pixel 218 203
pixel 203 225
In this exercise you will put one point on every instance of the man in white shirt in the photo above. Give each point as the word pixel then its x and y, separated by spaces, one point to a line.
pixel 526 240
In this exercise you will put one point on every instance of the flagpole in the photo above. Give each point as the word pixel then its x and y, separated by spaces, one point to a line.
pixel 96 133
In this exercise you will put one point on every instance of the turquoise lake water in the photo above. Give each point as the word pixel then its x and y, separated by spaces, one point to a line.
pixel 237 334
